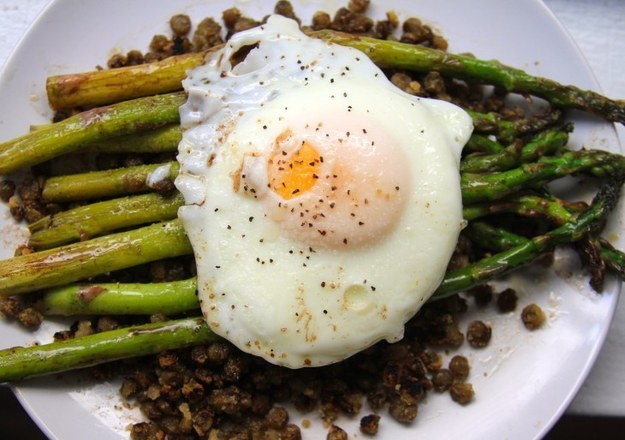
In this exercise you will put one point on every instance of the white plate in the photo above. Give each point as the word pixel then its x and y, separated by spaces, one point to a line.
pixel 523 380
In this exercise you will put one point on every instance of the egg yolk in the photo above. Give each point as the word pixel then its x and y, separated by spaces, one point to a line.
pixel 295 173
pixel 330 189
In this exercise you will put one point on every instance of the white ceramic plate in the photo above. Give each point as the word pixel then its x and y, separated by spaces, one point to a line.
pixel 523 380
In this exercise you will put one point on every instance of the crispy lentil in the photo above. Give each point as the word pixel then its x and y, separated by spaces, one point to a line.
pixel 482 294
pixel 284 8
pixel 459 366
pixel 10 307
pixel 442 379
pixel 533 317
pixel 30 317
pixel 478 334
pixel 7 190
pixel 359 6
pixel 461 393
pixel 507 300
pixel 180 24
pixel 321 20
pixel 230 17
pixel 207 35
pixel 369 424
pixel 336 433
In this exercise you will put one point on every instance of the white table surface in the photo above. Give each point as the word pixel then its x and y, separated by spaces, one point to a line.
pixel 598 27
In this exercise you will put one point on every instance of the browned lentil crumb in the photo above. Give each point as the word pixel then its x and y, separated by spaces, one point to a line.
pixel 478 334
pixel 7 190
pixel 244 23
pixel 533 317
pixel 459 366
pixel 284 8
pixel 116 60
pixel 160 44
pixel 230 17
pixel 461 393
pixel 10 307
pixel 180 24
pixel 507 300
pixel 442 379
pixel 146 431
pixel 369 424
pixel 134 58
pixel 336 433
pixel 321 20
pixel 359 6
pixel 30 317
pixel 207 35
pixel 482 294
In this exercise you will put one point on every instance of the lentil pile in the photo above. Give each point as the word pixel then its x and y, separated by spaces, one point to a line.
pixel 216 391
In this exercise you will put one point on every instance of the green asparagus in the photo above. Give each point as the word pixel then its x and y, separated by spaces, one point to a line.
pixel 85 259
pixel 66 136
pixel 545 143
pixel 121 299
pixel 505 261
pixel 23 362
pixel 88 221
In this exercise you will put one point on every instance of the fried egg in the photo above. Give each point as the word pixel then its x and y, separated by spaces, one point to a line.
pixel 322 203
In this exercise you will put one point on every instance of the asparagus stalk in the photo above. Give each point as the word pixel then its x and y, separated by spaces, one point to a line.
pixel 482 144
pixel 97 219
pixel 97 88
pixel 160 140
pixel 102 87
pixel 23 362
pixel 499 239
pixel 493 238
pixel 121 299
pixel 102 217
pixel 392 54
pixel 547 142
pixel 68 135
pixel 102 184
pixel 504 262
pixel 67 264
pixel 478 188
pixel 507 131
pixel 475 187
pixel 527 205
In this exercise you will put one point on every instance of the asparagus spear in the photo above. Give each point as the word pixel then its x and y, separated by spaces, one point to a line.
pixel 63 137
pixel 492 238
pixel 121 299
pixel 527 205
pixel 90 221
pixel 504 262
pixel 22 362
pixel 78 261
pixel 160 140
pixel 101 184
pixel 475 187
pixel 499 239
pixel 478 187
pixel 393 54
pixel 547 142
pixel 482 144
pixel 102 87
pixel 507 131
pixel 95 88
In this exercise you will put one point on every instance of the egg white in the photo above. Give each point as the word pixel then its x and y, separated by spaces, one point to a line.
pixel 270 292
